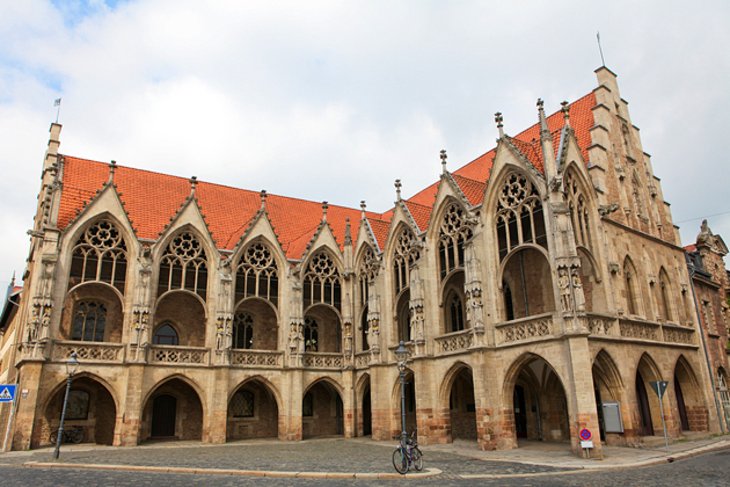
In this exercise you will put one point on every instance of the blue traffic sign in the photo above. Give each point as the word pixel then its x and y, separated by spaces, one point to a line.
pixel 7 392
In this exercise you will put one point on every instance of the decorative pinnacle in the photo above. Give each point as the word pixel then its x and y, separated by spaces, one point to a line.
pixel 397 189
pixel 499 119
pixel 324 211
pixel 112 168
pixel 566 112
pixel 362 209
pixel 348 232
pixel 193 184
pixel 544 132
pixel 443 157
pixel 262 194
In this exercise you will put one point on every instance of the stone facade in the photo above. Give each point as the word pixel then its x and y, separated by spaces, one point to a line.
pixel 533 287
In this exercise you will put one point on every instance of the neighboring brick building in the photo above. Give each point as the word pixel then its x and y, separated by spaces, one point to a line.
pixel 537 286
pixel 711 284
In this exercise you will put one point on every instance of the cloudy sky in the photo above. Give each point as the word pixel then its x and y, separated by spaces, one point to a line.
pixel 334 100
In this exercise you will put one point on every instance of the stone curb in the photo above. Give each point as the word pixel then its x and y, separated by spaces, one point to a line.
pixel 430 472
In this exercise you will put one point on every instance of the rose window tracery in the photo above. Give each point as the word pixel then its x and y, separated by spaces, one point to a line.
pixel 100 254
pixel 183 266
pixel 257 274
pixel 520 218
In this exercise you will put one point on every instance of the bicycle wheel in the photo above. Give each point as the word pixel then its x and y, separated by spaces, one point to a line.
pixel 417 459
pixel 76 435
pixel 400 461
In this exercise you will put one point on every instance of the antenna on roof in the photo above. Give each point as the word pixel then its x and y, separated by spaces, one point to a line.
pixel 57 104
pixel 598 38
pixel 443 161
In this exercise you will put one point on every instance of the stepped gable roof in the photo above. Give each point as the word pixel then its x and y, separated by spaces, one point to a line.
pixel 151 199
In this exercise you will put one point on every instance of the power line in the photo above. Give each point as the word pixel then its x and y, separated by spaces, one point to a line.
pixel 703 217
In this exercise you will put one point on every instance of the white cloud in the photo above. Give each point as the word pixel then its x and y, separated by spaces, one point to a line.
pixel 334 100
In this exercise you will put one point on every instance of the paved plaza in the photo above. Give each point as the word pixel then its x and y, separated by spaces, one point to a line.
pixel 342 459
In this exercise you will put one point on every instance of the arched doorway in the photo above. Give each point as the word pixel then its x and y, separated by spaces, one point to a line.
pixel 252 412
pixel 539 402
pixel 90 407
pixel 691 410
pixel 322 411
pixel 173 411
pixel 365 419
pixel 607 388
pixel 462 407
pixel 648 412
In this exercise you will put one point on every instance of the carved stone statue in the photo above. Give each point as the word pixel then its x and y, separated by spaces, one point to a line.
pixel 564 286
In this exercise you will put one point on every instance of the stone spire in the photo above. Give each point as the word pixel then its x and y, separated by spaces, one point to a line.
pixel 325 206
pixel 566 112
pixel 362 209
pixel 443 157
pixel 500 126
pixel 193 185
pixel 397 190
pixel 263 195
pixel 548 153
pixel 348 232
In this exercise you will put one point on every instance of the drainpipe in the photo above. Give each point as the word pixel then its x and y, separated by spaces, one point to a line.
pixel 720 416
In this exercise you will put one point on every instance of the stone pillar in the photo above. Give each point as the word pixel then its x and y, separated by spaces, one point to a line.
pixel 582 412
pixel 129 431
pixel 217 417
pixel 290 412
pixel 381 384
pixel 349 404
pixel 30 379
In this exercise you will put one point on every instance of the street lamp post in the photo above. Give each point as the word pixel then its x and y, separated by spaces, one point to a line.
pixel 71 366
pixel 401 355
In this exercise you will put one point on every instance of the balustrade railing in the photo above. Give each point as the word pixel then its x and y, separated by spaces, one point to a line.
pixel 173 354
pixel 256 358
pixel 678 334
pixel 88 351
pixel 362 359
pixel 323 360
pixel 525 329
pixel 642 330
pixel 455 341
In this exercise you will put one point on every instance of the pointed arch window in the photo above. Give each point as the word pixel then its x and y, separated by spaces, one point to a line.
pixel 520 216
pixel 183 266
pixel 405 256
pixel 630 287
pixel 165 334
pixel 311 334
pixel 367 273
pixel 243 326
pixel 242 404
pixel 455 312
pixel 453 234
pixel 100 254
pixel 89 321
pixel 257 274
pixel 578 208
pixel 322 283
pixel 664 292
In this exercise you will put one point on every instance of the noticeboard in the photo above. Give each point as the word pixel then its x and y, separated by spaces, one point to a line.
pixel 612 422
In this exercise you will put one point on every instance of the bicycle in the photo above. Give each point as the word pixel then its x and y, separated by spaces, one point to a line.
pixel 73 434
pixel 408 455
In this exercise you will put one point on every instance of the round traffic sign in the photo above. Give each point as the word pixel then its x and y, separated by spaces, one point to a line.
pixel 585 434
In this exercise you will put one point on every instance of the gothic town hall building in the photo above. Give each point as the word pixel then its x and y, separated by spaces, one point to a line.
pixel 540 289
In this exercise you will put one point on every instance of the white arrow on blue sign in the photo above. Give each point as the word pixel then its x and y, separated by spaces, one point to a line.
pixel 7 392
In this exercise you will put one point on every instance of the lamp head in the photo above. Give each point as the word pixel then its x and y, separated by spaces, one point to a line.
pixel 401 355
pixel 72 364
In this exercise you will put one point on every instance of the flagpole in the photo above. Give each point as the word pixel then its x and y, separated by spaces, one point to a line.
pixel 598 38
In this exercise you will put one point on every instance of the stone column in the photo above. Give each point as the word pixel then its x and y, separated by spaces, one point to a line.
pixel 30 375
pixel 133 409
pixel 217 417
pixel 582 412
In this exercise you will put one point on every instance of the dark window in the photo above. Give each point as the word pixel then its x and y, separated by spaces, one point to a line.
pixel 242 404
pixel 165 335
pixel 89 321
pixel 78 404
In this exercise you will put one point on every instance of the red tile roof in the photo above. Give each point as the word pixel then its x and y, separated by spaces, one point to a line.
pixel 152 199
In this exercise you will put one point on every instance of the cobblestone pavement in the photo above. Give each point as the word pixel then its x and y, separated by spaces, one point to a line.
pixel 322 455
pixel 708 470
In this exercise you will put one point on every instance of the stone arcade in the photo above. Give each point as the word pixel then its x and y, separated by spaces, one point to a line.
pixel 532 285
